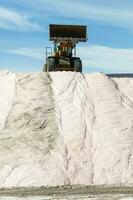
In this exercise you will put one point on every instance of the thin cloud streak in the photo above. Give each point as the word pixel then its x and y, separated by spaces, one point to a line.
pixel 97 57
pixel 109 59
pixel 115 16
pixel 12 20
pixel 34 53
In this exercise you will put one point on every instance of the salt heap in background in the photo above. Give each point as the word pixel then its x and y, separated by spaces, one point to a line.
pixel 65 128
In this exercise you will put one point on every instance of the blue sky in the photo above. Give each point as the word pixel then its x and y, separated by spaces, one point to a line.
pixel 24 33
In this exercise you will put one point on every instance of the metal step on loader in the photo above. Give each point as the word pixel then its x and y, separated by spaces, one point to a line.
pixel 65 38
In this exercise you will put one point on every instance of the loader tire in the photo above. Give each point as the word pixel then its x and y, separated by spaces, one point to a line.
pixel 77 65
pixel 50 64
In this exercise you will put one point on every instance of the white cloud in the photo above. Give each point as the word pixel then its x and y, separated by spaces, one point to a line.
pixel 117 16
pixel 109 59
pixel 13 20
pixel 34 53
pixel 97 57
pixel 111 15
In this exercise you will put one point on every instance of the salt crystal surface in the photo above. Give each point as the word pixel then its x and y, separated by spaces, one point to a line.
pixel 65 128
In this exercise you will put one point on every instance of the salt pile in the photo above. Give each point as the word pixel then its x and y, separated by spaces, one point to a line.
pixel 65 128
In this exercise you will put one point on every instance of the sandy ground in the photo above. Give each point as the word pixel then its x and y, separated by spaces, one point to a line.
pixel 71 198
pixel 68 193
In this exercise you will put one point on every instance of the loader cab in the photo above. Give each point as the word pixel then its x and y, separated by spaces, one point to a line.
pixel 63 49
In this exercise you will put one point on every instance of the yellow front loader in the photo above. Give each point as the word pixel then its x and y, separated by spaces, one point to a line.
pixel 65 38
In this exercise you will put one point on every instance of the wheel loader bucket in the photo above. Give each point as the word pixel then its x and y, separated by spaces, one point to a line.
pixel 67 32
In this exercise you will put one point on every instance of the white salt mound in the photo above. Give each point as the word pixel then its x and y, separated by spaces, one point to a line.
pixel 65 128
pixel 7 95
